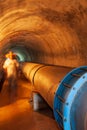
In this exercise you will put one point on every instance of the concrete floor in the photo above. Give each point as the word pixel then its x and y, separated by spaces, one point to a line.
pixel 19 115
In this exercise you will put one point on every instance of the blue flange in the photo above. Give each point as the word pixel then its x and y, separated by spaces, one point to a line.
pixel 65 97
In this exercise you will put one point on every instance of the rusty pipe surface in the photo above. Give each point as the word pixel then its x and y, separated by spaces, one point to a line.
pixel 45 78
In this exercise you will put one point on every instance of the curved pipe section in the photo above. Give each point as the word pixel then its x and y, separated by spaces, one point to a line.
pixel 64 90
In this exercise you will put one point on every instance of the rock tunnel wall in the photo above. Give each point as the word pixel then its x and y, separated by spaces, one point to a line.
pixel 50 32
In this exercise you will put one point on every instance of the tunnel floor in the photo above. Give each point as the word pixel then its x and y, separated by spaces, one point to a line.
pixel 19 115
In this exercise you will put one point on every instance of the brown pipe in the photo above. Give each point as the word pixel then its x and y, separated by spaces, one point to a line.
pixel 45 78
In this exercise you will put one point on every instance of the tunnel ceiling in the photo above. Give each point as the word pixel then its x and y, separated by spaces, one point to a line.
pixel 50 32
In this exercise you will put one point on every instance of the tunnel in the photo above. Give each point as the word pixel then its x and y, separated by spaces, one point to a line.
pixel 53 35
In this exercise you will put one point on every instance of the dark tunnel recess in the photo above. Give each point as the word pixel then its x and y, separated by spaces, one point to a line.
pixel 49 32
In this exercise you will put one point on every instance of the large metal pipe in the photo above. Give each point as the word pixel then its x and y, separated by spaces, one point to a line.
pixel 45 79
pixel 62 89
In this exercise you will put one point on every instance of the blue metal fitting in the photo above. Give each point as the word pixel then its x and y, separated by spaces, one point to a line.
pixel 69 98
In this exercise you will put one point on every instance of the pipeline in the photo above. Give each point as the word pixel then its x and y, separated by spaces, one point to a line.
pixel 64 89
